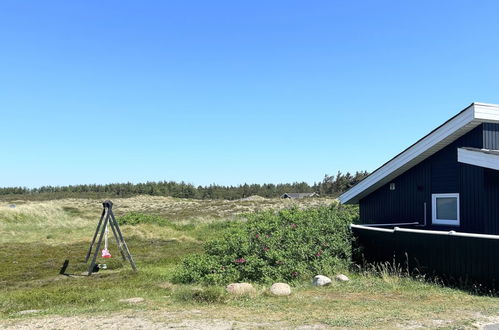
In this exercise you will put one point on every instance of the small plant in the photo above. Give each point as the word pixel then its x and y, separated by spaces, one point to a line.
pixel 290 245
pixel 210 295
pixel 135 218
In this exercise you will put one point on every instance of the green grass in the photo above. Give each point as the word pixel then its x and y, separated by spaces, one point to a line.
pixel 40 239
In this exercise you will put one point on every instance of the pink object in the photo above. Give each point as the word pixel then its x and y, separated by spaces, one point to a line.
pixel 106 254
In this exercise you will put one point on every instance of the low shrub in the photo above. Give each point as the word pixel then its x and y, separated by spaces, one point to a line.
pixel 289 245
pixel 135 218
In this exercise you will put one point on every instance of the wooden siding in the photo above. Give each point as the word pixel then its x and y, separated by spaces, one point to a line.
pixel 491 136
pixel 459 260
pixel 491 211
pixel 404 204
pixel 440 173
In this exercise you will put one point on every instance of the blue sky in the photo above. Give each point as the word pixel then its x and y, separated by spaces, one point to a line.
pixel 230 92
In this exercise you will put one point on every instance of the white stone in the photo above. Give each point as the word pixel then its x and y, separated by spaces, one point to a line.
pixel 29 311
pixel 280 289
pixel 135 300
pixel 240 289
pixel 342 278
pixel 321 280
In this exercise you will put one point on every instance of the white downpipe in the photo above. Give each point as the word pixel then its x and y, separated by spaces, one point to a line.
pixel 424 217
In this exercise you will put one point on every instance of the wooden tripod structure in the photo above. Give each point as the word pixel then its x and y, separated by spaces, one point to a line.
pixel 106 218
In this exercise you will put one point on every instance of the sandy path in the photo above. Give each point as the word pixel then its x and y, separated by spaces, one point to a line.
pixel 135 320
pixel 190 319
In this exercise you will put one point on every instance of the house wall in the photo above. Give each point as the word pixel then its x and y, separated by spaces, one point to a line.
pixel 491 211
pixel 491 136
pixel 491 182
pixel 440 173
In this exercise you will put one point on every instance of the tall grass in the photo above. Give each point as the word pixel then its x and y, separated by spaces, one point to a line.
pixel 38 221
pixel 58 221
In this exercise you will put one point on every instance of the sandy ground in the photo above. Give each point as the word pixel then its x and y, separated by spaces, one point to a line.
pixel 194 319
pixel 191 319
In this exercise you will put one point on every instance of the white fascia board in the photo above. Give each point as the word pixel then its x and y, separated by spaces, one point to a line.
pixel 478 158
pixel 487 113
pixel 456 127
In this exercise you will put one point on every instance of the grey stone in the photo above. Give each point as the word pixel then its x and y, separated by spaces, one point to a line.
pixel 240 289
pixel 342 278
pixel 280 289
pixel 321 280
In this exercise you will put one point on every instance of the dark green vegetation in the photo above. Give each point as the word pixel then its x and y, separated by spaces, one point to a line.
pixel 29 279
pixel 291 245
pixel 329 186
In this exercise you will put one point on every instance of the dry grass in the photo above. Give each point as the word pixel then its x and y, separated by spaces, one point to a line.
pixel 177 209
pixel 31 222
pixel 58 221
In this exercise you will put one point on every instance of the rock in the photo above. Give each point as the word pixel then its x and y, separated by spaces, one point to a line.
pixel 134 300
pixel 240 289
pixel 321 280
pixel 29 311
pixel 280 289
pixel 342 278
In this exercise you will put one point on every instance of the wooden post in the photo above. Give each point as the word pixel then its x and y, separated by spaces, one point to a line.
pixel 128 254
pixel 97 248
pixel 95 235
pixel 120 247
pixel 107 218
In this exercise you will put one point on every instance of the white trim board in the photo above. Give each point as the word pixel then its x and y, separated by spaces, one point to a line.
pixel 442 136
pixel 448 222
pixel 479 157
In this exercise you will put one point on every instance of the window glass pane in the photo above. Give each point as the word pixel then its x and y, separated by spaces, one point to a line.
pixel 447 208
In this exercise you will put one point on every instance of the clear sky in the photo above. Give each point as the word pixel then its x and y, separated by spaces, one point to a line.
pixel 230 92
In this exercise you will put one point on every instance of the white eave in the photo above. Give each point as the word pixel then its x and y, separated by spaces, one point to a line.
pixel 454 128
pixel 479 157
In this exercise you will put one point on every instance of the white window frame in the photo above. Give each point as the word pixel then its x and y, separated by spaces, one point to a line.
pixel 449 222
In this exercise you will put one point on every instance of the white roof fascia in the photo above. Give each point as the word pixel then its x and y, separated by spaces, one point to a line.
pixel 462 123
pixel 478 158
pixel 486 112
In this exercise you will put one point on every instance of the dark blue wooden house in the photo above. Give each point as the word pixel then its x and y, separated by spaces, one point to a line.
pixel 435 206
pixel 448 180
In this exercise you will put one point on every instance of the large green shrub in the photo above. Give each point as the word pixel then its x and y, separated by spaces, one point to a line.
pixel 285 246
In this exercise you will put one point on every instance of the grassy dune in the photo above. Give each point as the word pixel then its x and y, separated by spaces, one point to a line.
pixel 36 237
pixel 60 221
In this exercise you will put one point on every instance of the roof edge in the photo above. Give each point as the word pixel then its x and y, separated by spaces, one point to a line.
pixel 458 125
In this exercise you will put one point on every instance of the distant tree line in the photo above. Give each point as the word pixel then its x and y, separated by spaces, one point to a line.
pixel 329 186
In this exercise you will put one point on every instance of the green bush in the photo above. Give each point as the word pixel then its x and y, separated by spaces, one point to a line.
pixel 289 245
pixel 135 218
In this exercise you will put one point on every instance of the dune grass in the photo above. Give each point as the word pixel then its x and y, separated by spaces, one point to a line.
pixel 36 237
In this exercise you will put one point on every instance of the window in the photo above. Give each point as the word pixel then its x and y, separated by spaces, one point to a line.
pixel 445 209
